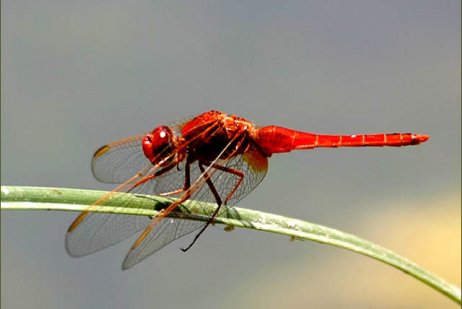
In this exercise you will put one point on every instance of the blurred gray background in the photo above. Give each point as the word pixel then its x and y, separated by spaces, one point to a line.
pixel 79 74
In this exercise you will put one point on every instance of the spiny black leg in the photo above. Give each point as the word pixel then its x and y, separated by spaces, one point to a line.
pixel 203 229
pixel 218 200
pixel 187 174
pixel 226 169
pixel 214 190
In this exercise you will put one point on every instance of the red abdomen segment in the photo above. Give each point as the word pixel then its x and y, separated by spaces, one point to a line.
pixel 273 139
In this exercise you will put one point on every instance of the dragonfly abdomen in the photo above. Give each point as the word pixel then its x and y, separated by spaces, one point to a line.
pixel 273 139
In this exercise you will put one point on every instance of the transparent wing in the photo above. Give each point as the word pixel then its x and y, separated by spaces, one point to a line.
pixel 118 161
pixel 93 231
pixel 163 233
pixel 99 231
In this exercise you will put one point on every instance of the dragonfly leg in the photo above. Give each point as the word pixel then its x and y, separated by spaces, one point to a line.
pixel 186 186
pixel 219 203
pixel 235 172
pixel 214 191
pixel 215 194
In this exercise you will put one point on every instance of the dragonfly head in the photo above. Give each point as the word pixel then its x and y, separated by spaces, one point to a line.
pixel 159 146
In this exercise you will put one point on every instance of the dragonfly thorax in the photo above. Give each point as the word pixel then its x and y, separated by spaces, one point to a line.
pixel 223 138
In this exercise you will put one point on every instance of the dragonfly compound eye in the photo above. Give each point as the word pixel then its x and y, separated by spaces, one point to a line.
pixel 158 146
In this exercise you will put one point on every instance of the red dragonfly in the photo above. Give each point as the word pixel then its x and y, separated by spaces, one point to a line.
pixel 213 157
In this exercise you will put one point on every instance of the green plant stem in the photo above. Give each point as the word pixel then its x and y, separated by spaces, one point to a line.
pixel 36 198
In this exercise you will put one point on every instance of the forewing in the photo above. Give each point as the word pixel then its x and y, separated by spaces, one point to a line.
pixel 92 231
pixel 97 231
pixel 118 161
